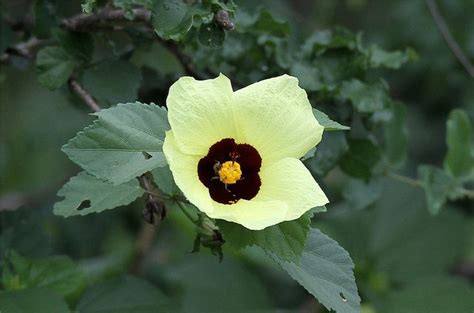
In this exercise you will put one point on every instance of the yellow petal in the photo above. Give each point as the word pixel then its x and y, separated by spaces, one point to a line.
pixel 252 214
pixel 184 169
pixel 288 180
pixel 200 113
pixel 275 116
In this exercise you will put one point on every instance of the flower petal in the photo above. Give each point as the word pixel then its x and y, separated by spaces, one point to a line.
pixel 288 180
pixel 275 116
pixel 200 113
pixel 184 169
pixel 252 214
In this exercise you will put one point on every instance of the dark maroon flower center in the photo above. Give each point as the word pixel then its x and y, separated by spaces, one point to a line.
pixel 227 150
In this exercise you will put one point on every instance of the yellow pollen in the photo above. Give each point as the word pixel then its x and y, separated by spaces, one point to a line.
pixel 230 172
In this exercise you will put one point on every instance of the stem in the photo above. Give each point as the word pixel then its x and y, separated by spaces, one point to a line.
pixel 188 215
pixel 448 37
pixel 84 95
pixel 405 179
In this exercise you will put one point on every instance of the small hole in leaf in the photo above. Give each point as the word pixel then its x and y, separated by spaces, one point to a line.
pixel 342 297
pixel 84 205
pixel 146 155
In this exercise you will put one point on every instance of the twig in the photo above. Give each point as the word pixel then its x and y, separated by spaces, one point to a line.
pixel 83 94
pixel 448 37
pixel 26 49
pixel 417 183
pixel 83 22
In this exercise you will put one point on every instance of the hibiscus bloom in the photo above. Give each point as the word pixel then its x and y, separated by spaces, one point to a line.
pixel 235 155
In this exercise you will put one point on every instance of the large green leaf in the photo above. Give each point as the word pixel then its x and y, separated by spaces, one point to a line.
pixel 123 295
pixel 327 123
pixel 460 157
pixel 123 143
pixel 433 295
pixel 113 81
pixel 34 300
pixel 54 66
pixel 326 271
pixel 85 194
pixel 286 240
pixel 58 273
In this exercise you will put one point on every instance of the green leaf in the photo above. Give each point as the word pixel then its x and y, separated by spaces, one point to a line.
pixel 123 295
pixel 7 36
pixel 438 186
pixel 286 240
pixel 381 58
pixel 396 136
pixel 211 35
pixel 365 98
pixel 433 295
pixel 79 45
pixel 360 194
pixel 34 300
pixel 326 271
pixel 327 123
pixel 338 38
pixel 88 6
pixel 113 81
pixel 85 194
pixel 362 156
pixel 123 143
pixel 54 66
pixel 57 273
pixel 459 160
pixel 164 180
pixel 328 153
pixel 308 75
pixel 266 23
pixel 172 19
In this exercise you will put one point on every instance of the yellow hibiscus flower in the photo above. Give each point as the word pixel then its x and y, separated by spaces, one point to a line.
pixel 235 155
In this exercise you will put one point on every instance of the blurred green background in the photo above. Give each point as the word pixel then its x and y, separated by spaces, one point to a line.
pixel 406 260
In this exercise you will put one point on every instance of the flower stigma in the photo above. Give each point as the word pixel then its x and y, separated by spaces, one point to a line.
pixel 230 172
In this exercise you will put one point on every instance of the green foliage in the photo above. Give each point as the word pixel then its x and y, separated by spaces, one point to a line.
pixel 123 295
pixel 172 19
pixel 38 300
pixel 396 136
pixel 361 157
pixel 225 287
pixel 434 295
pixel 403 255
pixel 57 273
pixel 438 186
pixel 113 81
pixel 85 194
pixel 325 270
pixel 327 123
pixel 286 240
pixel 460 157
pixel 54 67
pixel 123 143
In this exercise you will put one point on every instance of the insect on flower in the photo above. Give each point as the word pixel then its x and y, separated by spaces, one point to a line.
pixel 235 155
